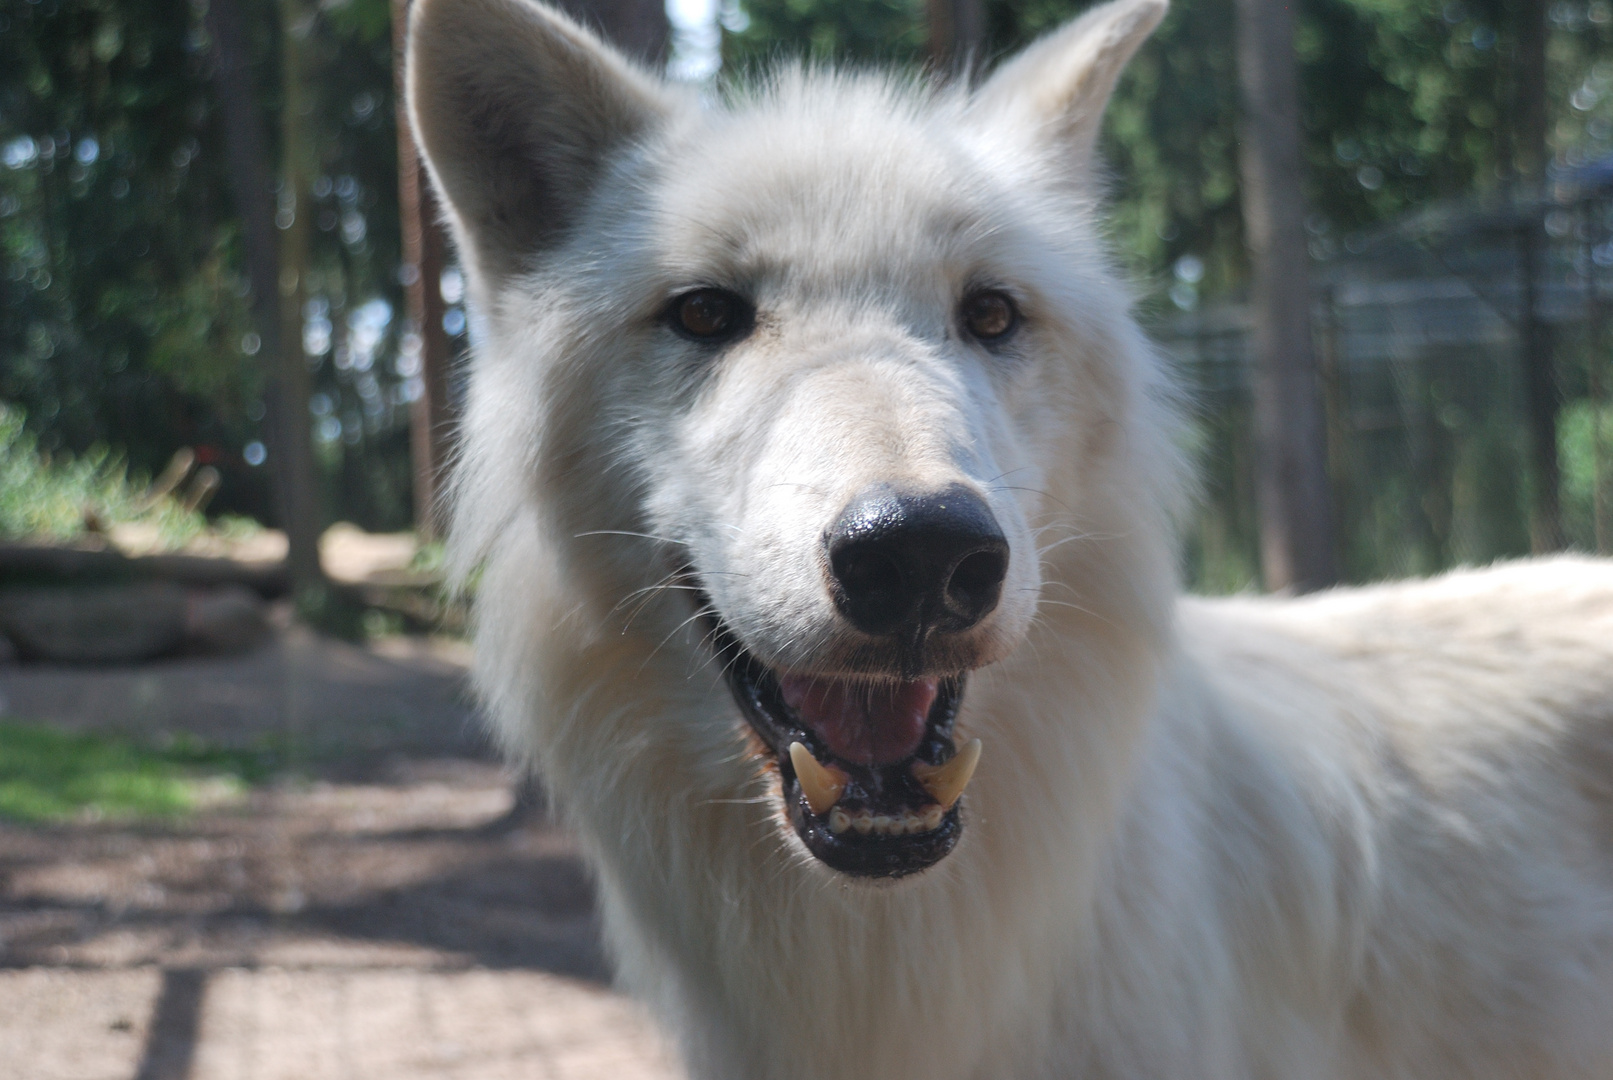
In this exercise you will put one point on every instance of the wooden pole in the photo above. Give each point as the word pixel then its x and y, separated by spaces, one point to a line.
pixel 1296 510
pixel 425 253
pixel 295 221
pixel 1543 396
pixel 251 171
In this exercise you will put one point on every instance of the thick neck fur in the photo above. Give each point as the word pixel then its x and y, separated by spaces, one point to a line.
pixel 735 933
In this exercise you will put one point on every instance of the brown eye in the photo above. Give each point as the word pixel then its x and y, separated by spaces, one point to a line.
pixel 990 315
pixel 708 314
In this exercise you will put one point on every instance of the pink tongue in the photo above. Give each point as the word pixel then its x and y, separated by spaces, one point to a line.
pixel 865 725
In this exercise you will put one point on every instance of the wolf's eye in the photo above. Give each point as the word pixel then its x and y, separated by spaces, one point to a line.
pixel 989 315
pixel 710 314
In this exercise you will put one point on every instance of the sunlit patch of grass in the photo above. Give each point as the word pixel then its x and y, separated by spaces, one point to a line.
pixel 54 497
pixel 48 775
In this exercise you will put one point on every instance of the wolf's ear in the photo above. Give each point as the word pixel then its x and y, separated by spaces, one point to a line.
pixel 1059 86
pixel 518 110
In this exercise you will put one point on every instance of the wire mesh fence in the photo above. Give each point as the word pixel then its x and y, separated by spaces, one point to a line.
pixel 1421 343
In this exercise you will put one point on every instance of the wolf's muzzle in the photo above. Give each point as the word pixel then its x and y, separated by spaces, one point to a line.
pixel 905 565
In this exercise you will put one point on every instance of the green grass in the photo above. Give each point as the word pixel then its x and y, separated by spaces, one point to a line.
pixel 49 497
pixel 48 775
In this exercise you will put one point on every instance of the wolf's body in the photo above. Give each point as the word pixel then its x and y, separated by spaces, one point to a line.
pixel 1364 834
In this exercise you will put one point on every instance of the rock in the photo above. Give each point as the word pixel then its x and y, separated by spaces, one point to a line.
pixel 109 624
pixel 229 619
pixel 129 623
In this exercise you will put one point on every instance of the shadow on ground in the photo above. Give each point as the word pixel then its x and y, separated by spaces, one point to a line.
pixel 397 845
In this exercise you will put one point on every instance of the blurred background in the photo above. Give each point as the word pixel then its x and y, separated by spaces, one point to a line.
pixel 1455 219
pixel 245 815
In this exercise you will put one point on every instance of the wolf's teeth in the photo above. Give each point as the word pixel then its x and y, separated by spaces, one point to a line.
pixel 946 782
pixel 821 784
pixel 905 823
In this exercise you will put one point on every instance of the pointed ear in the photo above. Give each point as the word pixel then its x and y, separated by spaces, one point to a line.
pixel 1059 86
pixel 517 111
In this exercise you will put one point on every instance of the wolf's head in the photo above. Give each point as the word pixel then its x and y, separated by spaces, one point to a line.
pixel 828 384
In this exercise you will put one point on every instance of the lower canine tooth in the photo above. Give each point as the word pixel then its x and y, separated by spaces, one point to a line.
pixel 839 820
pixel 932 818
pixel 946 782
pixel 821 784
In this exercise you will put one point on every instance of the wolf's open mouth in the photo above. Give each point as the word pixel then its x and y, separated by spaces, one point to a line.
pixel 871 778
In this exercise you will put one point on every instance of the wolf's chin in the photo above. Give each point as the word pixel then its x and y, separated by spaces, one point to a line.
pixel 864 800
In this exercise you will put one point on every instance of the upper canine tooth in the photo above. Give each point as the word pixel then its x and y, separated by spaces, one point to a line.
pixel 821 784
pixel 945 782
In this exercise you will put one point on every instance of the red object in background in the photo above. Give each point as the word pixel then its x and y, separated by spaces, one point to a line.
pixel 207 454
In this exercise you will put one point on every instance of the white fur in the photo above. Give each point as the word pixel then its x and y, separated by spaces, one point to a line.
pixel 1363 834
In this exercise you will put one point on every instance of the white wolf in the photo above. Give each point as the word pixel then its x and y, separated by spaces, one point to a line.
pixel 812 459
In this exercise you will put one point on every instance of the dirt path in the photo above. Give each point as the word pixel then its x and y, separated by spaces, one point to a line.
pixel 377 916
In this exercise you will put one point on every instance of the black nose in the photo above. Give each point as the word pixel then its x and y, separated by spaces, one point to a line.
pixel 914 563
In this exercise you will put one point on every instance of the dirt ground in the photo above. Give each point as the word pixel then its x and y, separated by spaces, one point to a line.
pixel 379 914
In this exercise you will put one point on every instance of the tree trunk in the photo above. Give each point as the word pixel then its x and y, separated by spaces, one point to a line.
pixel 1296 512
pixel 294 218
pixel 425 252
pixel 251 177
pixel 1542 395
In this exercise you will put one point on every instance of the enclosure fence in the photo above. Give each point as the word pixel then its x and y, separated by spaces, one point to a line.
pixel 1420 346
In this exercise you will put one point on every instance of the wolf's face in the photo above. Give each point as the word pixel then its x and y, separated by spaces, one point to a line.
pixel 836 351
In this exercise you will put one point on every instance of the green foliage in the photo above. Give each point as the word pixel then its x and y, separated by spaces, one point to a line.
pixel 1171 141
pixel 124 308
pixel 51 497
pixel 1404 101
pixel 49 775
pixel 430 557
pixel 1586 451
pixel 120 318
pixel 860 31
